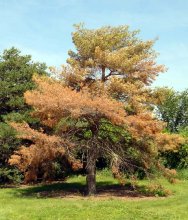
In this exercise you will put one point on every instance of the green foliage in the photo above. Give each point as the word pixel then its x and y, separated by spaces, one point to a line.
pixel 115 134
pixel 107 134
pixel 183 151
pixel 16 73
pixel 10 175
pixel 60 169
pixel 82 130
pixel 8 142
pixel 172 108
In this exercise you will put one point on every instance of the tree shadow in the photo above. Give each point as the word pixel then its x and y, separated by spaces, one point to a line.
pixel 117 190
pixel 61 189
pixel 77 189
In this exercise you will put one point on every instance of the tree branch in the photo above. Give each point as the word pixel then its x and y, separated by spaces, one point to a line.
pixel 112 73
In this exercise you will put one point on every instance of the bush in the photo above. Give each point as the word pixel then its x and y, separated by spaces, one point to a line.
pixel 176 160
pixel 10 175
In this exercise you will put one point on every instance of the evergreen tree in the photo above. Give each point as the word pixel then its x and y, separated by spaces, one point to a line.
pixel 16 73
pixel 101 105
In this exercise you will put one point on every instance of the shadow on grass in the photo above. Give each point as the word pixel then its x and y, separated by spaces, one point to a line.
pixel 76 189
pixel 61 189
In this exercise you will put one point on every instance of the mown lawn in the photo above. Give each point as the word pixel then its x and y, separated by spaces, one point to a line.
pixel 34 203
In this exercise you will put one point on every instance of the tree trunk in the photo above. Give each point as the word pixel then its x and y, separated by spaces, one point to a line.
pixel 103 74
pixel 91 172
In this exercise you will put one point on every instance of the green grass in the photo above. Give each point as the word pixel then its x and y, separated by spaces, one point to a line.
pixel 28 204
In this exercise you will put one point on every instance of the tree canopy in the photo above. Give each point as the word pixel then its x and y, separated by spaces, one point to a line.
pixel 101 105
pixel 172 107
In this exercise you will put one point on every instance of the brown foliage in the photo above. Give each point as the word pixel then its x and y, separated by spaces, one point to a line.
pixel 38 157
pixel 116 50
pixel 53 101
pixel 169 142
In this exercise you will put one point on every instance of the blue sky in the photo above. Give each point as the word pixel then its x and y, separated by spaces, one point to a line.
pixel 43 28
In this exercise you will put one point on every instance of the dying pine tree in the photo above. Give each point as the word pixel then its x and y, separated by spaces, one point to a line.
pixel 101 104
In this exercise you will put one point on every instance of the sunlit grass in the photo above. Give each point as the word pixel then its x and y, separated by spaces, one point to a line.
pixel 26 203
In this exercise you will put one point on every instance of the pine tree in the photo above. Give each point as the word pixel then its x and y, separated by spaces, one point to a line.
pixel 16 72
pixel 102 103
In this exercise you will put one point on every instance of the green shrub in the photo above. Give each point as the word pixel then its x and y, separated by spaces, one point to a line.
pixel 10 175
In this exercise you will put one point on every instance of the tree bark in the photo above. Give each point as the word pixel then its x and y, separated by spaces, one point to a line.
pixel 91 172
pixel 103 74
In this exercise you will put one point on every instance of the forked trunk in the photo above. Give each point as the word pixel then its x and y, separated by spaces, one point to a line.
pixel 91 172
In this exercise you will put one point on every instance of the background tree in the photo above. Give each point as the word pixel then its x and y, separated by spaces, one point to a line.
pixel 16 72
pixel 103 91
pixel 172 108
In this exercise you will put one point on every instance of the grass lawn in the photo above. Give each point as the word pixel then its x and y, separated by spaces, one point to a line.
pixel 50 203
